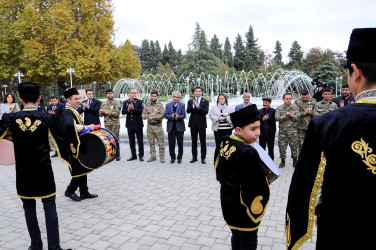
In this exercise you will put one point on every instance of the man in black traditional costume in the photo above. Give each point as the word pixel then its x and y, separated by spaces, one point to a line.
pixel 34 175
pixel 244 187
pixel 335 177
pixel 69 144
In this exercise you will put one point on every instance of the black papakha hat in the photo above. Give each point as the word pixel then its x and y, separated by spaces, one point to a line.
pixel 28 89
pixel 245 116
pixel 362 46
pixel 69 92
pixel 267 99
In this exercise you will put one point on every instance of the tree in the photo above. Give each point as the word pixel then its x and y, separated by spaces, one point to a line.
pixel 125 62
pixel 145 56
pixel 239 55
pixel 56 35
pixel 327 69
pixel 278 53
pixel 227 54
pixel 164 69
pixel 252 59
pixel 195 44
pixel 173 56
pixel 312 60
pixel 295 56
pixel 157 57
pixel 216 47
pixel 200 61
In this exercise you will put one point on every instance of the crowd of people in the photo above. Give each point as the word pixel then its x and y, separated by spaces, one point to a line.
pixel 320 183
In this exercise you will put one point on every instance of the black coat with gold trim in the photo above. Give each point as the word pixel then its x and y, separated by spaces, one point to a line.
pixel 244 188
pixel 69 141
pixel 338 154
pixel 30 129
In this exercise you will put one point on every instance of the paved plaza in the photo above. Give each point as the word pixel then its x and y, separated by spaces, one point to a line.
pixel 143 205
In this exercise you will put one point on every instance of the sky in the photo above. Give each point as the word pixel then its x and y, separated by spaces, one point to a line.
pixel 325 24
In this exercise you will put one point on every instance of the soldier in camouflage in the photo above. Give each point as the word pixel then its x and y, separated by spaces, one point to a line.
pixel 110 109
pixel 305 104
pixel 326 105
pixel 287 116
pixel 154 113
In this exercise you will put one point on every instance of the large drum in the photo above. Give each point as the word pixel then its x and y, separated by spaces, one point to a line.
pixel 97 148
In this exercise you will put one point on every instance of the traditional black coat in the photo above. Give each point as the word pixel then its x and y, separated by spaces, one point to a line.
pixel 69 141
pixel 244 187
pixel 339 154
pixel 30 129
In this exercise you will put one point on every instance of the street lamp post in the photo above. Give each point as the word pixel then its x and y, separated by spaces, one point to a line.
pixel 94 83
pixel 340 84
pixel 70 71
pixel 5 87
pixel 19 75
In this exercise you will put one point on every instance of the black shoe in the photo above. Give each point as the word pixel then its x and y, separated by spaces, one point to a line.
pixel 179 161
pixel 141 158
pixel 73 196
pixel 282 165
pixel 172 161
pixel 118 158
pixel 132 158
pixel 193 160
pixel 203 161
pixel 54 155
pixel 88 196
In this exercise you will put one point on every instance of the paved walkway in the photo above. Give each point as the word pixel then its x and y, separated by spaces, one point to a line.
pixel 143 205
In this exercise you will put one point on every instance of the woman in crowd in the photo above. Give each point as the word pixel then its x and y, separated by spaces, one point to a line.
pixel 9 105
pixel 221 121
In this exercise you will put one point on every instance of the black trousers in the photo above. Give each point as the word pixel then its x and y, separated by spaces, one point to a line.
pixel 243 240
pixel 78 182
pixel 201 132
pixel 132 134
pixel 174 136
pixel 218 135
pixel 52 224
pixel 267 137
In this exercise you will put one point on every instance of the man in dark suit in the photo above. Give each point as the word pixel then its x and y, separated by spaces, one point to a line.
pixel 55 107
pixel 175 114
pixel 268 126
pixel 198 107
pixel 90 107
pixel 133 108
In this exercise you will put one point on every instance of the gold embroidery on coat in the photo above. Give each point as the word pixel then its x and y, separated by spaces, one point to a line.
pixel 26 126
pixel 287 231
pixel 226 152
pixel 256 206
pixel 72 148
pixel 361 147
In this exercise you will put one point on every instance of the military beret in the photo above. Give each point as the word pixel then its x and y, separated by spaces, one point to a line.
pixel 362 45
pixel 245 116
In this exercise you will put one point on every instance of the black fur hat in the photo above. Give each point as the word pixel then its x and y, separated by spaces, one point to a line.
pixel 28 89
pixel 69 92
pixel 362 46
pixel 245 116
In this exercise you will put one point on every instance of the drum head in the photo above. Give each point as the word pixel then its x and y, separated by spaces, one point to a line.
pixel 94 158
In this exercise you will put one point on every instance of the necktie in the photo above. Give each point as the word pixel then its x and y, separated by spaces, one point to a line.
pixel 53 108
pixel 89 102
pixel 197 100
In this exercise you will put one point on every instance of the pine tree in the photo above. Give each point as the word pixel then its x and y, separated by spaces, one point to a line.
pixel 239 55
pixel 158 53
pixel 278 53
pixel 195 45
pixel 145 56
pixel 153 64
pixel 252 58
pixel 173 56
pixel 216 47
pixel 227 54
pixel 165 55
pixel 295 56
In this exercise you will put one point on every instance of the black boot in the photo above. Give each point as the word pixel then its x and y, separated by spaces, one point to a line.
pixel 282 165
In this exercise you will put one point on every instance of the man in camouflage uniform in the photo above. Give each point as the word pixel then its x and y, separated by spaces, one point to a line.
pixel 287 116
pixel 154 113
pixel 305 104
pixel 110 109
pixel 326 105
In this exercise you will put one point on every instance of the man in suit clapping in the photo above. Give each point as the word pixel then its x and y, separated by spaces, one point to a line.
pixel 90 107
pixel 198 107
pixel 175 114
